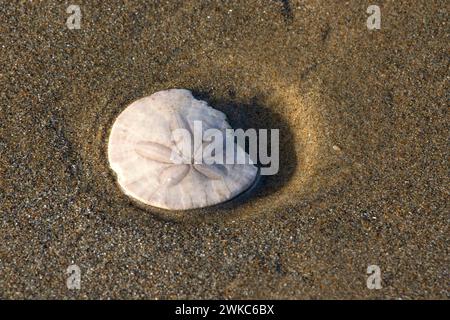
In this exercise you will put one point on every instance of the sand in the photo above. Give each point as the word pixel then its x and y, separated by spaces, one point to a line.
pixel 363 119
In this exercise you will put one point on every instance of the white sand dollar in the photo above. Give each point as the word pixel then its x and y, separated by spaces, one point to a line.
pixel 158 168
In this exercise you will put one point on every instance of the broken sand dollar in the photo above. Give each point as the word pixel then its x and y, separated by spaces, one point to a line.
pixel 161 168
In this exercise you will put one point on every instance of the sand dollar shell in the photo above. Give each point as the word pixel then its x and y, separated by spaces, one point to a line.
pixel 158 169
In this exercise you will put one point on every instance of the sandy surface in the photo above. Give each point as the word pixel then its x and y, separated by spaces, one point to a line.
pixel 364 159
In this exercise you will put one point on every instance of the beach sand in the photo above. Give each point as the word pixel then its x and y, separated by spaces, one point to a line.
pixel 363 119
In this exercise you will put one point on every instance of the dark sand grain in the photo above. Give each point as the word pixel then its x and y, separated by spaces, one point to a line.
pixel 364 149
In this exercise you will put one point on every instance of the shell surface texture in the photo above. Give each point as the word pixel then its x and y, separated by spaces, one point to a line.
pixel 157 168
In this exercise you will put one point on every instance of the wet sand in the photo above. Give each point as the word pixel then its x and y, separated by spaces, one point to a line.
pixel 363 119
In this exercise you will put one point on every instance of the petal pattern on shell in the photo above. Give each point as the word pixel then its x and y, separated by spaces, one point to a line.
pixel 154 151
pixel 172 175
pixel 214 171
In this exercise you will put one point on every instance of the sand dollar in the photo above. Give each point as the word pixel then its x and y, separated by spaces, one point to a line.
pixel 158 168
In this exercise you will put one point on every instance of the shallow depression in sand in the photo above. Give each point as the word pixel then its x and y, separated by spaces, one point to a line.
pixel 274 105
pixel 299 149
